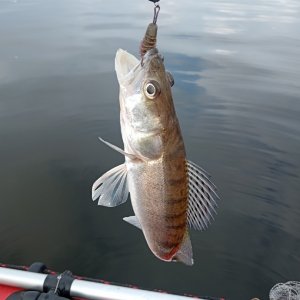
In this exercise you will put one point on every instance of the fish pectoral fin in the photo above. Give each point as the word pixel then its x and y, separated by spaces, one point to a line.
pixel 133 220
pixel 132 156
pixel 111 188
pixel 202 200
pixel 185 252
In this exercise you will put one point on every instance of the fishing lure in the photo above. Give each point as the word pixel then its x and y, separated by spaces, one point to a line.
pixel 150 37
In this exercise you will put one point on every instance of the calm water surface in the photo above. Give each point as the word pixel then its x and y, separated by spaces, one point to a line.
pixel 237 93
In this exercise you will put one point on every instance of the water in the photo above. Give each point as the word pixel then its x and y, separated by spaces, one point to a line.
pixel 237 94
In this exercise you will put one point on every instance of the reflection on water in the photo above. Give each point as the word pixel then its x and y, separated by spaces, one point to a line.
pixel 236 67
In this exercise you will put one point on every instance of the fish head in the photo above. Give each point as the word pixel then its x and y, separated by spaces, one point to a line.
pixel 146 103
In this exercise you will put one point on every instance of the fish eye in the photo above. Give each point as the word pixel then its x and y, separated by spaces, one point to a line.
pixel 152 89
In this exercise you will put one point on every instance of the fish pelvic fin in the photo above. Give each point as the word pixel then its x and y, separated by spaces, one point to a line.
pixel 111 189
pixel 133 220
pixel 185 252
pixel 202 199
pixel 131 156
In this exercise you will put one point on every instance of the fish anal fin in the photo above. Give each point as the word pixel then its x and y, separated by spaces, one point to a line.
pixel 111 188
pixel 133 220
pixel 202 200
pixel 185 252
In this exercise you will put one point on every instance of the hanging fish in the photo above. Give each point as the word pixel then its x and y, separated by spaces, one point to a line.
pixel 168 193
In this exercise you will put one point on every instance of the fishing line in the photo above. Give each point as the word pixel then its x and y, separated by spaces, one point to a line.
pixel 156 12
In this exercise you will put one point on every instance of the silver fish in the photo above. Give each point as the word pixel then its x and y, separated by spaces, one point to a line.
pixel 168 193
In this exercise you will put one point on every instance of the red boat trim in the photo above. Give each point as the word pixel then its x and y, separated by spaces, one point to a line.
pixel 12 290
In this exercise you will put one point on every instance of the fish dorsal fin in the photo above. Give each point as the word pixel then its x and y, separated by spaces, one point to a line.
pixel 185 252
pixel 111 188
pixel 124 63
pixel 202 198
pixel 133 220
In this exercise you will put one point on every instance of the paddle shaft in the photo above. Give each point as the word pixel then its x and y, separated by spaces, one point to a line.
pixel 81 288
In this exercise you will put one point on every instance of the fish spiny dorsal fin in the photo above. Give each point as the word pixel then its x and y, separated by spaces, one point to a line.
pixel 111 188
pixel 202 198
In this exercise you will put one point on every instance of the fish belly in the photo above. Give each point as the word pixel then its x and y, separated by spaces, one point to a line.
pixel 158 191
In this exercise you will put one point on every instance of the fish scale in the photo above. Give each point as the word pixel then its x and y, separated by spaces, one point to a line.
pixel 156 205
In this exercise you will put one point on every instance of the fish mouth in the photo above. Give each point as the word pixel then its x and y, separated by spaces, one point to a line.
pixel 152 59
pixel 124 64
pixel 150 53
pixel 127 65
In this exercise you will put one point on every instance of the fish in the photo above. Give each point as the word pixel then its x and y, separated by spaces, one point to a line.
pixel 169 194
